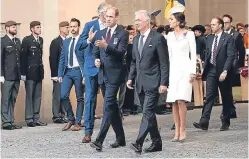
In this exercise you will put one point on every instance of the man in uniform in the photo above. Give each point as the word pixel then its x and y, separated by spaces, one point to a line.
pixel 10 74
pixel 54 58
pixel 33 73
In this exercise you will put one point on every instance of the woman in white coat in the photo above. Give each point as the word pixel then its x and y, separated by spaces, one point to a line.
pixel 182 54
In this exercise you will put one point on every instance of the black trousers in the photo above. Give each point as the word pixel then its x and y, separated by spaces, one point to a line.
pixel 226 93
pixel 148 100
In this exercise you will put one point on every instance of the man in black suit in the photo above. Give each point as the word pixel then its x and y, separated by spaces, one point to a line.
pixel 54 58
pixel 239 56
pixel 10 74
pixel 110 47
pixel 218 72
pixel 32 71
pixel 150 69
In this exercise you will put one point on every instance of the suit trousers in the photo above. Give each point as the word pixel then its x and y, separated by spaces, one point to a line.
pixel 226 93
pixel 57 107
pixel 73 77
pixel 33 100
pixel 91 88
pixel 149 100
pixel 9 90
pixel 111 115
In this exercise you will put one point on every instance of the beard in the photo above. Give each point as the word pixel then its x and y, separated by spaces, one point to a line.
pixel 12 32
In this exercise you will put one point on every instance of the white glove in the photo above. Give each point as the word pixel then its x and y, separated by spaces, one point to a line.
pixel 2 79
pixel 54 79
pixel 23 77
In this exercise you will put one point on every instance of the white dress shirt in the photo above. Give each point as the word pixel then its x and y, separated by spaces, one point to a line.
pixel 146 34
pixel 219 35
pixel 62 37
pixel 75 61
pixel 112 29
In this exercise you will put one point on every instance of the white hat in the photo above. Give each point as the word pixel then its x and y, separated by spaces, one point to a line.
pixel 176 9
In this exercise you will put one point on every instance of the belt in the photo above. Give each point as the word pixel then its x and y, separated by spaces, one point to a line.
pixel 74 68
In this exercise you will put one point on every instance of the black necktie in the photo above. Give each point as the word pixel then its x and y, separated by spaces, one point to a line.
pixel 14 40
pixel 141 44
pixel 215 50
pixel 71 54
pixel 108 36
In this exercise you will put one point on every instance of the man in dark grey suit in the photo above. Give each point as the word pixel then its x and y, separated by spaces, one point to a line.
pixel 54 59
pixel 218 72
pixel 150 67
pixel 10 74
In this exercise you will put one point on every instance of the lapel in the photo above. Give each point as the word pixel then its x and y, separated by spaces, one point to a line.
pixel 96 25
pixel 16 45
pixel 146 44
pixel 221 41
pixel 135 44
pixel 232 32
pixel 114 35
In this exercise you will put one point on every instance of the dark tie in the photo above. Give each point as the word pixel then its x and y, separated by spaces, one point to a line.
pixel 215 50
pixel 38 40
pixel 108 36
pixel 14 40
pixel 71 54
pixel 141 44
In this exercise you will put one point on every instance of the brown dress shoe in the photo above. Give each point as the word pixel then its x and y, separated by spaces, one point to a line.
pixel 68 126
pixel 76 127
pixel 86 139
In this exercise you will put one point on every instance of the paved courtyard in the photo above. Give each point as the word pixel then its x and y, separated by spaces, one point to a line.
pixel 51 142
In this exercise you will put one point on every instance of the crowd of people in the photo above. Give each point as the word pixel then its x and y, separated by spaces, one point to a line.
pixel 136 63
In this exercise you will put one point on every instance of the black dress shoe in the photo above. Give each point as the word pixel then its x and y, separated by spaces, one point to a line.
pixel 9 127
pixel 96 145
pixel 224 127
pixel 31 124
pixel 58 121
pixel 153 148
pixel 118 144
pixel 41 124
pixel 233 115
pixel 16 126
pixel 136 147
pixel 201 125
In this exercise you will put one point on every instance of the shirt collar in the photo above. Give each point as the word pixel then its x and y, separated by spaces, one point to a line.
pixel 36 38
pixel 113 28
pixel 229 31
pixel 62 37
pixel 146 33
pixel 10 36
pixel 218 34
pixel 76 37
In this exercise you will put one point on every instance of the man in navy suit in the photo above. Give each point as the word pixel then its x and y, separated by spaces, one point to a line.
pixel 111 45
pixel 90 70
pixel 71 73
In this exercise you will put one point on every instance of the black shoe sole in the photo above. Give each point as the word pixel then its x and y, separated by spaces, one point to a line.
pixel 135 149
pixel 123 145
pixel 146 151
pixel 96 147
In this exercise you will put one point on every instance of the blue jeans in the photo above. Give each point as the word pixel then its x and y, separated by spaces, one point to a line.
pixel 91 86
pixel 73 77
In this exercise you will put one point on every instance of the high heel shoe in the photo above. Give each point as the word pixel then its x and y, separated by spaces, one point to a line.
pixel 182 140
pixel 175 140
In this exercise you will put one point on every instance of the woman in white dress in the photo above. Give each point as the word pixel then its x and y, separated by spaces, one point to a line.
pixel 182 55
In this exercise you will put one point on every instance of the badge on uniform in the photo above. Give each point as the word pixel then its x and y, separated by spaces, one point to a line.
pixel 9 46
pixel 115 41
pixel 33 47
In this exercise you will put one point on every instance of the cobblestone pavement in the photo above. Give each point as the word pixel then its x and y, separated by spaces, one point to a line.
pixel 51 142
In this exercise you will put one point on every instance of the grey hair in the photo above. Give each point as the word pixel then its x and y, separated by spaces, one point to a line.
pixel 102 6
pixel 145 13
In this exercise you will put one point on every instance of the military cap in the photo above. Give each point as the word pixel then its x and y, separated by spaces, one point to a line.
pixel 34 23
pixel 63 24
pixel 10 23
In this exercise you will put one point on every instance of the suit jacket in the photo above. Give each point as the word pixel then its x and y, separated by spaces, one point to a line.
pixel 112 58
pixel 54 55
pixel 240 48
pixel 201 46
pixel 31 58
pixel 151 69
pixel 64 58
pixel 225 54
pixel 89 66
pixel 10 58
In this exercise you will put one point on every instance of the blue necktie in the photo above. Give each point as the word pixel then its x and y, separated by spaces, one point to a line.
pixel 71 54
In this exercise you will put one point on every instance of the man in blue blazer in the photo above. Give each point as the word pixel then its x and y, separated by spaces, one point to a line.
pixel 111 45
pixel 90 70
pixel 70 73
